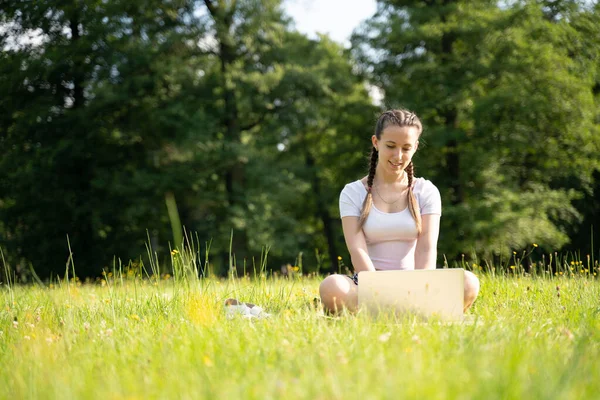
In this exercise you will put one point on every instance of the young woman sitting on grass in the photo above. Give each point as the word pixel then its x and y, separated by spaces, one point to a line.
pixel 391 219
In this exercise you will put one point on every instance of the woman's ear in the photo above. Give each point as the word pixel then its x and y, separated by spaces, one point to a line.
pixel 374 141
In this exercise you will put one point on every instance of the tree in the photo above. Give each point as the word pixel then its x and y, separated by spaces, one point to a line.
pixel 242 31
pixel 282 101
pixel 217 107
pixel 319 142
pixel 83 128
pixel 585 49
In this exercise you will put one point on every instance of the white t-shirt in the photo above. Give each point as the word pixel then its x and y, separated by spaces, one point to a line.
pixel 391 237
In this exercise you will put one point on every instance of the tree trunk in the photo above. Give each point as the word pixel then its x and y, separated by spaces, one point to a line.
pixel 234 174
pixel 450 117
pixel 323 212
pixel 77 167
pixel 78 97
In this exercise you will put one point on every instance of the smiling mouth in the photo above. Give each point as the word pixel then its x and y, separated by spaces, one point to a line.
pixel 396 165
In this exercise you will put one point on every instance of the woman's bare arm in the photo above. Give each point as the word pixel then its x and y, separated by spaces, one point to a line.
pixel 426 251
pixel 357 245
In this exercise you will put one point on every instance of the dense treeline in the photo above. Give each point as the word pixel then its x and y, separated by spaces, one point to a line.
pixel 121 121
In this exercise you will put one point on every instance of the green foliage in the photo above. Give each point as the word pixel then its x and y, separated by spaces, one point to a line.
pixel 287 110
pixel 318 141
pixel 247 126
pixel 88 117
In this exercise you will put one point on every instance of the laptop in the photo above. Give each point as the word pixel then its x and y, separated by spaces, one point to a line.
pixel 435 293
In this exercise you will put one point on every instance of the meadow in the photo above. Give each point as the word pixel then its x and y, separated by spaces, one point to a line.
pixel 129 336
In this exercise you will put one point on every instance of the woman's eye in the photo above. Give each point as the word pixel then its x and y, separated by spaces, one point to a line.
pixel 390 147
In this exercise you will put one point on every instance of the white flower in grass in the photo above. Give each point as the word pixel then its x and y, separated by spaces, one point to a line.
pixel 567 333
pixel 105 333
pixel 341 358
pixel 86 326
pixel 385 337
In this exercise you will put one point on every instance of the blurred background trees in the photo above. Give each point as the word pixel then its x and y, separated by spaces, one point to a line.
pixel 109 110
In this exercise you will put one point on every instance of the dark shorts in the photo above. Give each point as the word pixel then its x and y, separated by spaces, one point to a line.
pixel 354 278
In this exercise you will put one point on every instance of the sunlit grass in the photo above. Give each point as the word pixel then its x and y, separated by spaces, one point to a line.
pixel 529 337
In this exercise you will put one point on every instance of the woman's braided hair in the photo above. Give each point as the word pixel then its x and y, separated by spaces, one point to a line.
pixel 397 118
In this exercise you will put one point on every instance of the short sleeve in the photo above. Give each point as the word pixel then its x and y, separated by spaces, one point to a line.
pixel 430 200
pixel 350 204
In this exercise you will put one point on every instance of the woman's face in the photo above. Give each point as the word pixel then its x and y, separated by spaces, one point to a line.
pixel 396 147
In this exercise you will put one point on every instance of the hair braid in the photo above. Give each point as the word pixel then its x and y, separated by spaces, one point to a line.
pixel 413 206
pixel 369 199
pixel 410 173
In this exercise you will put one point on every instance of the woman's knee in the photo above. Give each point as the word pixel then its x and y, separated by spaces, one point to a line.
pixel 471 288
pixel 337 292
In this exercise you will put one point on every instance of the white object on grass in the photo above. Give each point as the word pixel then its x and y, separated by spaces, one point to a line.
pixel 245 311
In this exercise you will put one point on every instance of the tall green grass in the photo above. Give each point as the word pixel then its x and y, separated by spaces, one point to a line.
pixel 137 332
pixel 139 337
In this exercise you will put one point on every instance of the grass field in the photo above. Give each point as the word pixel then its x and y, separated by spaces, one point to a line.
pixel 536 338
